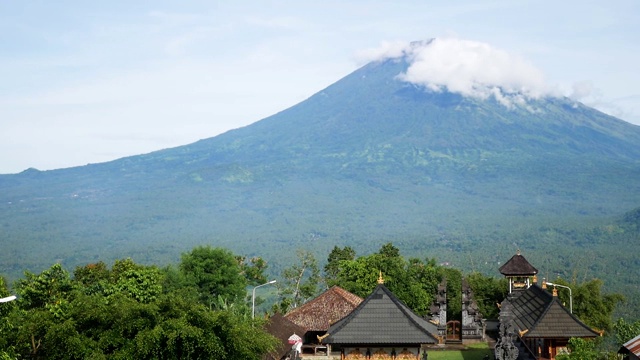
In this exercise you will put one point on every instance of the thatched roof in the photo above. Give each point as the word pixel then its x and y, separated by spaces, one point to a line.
pixel 330 306
pixel 518 266
pixel 281 328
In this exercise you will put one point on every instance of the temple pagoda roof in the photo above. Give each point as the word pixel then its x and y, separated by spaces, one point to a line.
pixel 518 266
pixel 539 314
pixel 382 319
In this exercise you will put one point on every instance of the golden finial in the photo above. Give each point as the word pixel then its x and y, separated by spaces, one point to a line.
pixel 535 279
pixel 544 283
pixel 380 279
pixel 555 292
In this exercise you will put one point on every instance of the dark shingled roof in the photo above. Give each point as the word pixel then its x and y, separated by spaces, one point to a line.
pixel 281 328
pixel 518 266
pixel 543 316
pixel 382 319
pixel 330 306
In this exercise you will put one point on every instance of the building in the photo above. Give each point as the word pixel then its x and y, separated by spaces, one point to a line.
pixel 520 273
pixel 316 315
pixel 282 329
pixel 631 349
pixel 533 322
pixel 381 327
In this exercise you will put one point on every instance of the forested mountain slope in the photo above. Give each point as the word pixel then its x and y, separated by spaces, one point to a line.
pixel 368 160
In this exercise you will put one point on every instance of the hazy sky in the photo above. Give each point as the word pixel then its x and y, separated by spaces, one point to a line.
pixel 92 81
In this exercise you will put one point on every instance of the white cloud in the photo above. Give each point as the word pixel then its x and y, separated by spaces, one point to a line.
pixel 625 108
pixel 581 90
pixel 386 50
pixel 469 68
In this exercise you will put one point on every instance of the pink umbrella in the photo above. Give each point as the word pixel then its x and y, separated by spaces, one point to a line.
pixel 293 339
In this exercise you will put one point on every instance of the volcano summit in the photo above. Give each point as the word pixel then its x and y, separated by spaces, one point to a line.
pixel 454 157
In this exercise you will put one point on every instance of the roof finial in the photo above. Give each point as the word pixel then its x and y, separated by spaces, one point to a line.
pixel 380 279
pixel 518 252
pixel 555 292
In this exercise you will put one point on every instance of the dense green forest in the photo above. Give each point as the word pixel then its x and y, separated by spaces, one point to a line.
pixel 571 249
pixel 201 307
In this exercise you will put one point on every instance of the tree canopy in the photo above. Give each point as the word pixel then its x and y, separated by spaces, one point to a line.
pixel 199 309
pixel 132 311
pixel 214 272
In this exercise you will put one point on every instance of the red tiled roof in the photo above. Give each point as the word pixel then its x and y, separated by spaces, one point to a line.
pixel 319 313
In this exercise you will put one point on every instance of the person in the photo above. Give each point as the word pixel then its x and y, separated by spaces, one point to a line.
pixel 295 351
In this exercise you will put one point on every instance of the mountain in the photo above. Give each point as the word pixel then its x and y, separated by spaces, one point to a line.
pixel 368 160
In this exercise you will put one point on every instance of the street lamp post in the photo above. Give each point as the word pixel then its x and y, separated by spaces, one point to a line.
pixel 570 296
pixel 8 298
pixel 253 298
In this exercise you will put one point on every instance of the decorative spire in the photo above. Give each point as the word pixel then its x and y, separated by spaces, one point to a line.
pixel 544 283
pixel 518 252
pixel 380 279
pixel 555 292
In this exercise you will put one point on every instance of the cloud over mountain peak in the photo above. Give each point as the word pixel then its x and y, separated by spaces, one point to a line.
pixel 470 68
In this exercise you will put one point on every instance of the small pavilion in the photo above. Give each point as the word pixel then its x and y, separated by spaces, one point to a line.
pixel 520 273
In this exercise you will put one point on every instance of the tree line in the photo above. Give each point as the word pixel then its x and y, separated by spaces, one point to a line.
pixel 195 310
pixel 201 308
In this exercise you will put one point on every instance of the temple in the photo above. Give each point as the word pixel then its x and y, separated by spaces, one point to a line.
pixel 381 327
pixel 533 322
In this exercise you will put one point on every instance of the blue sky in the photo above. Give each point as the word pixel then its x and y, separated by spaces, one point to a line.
pixel 86 82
